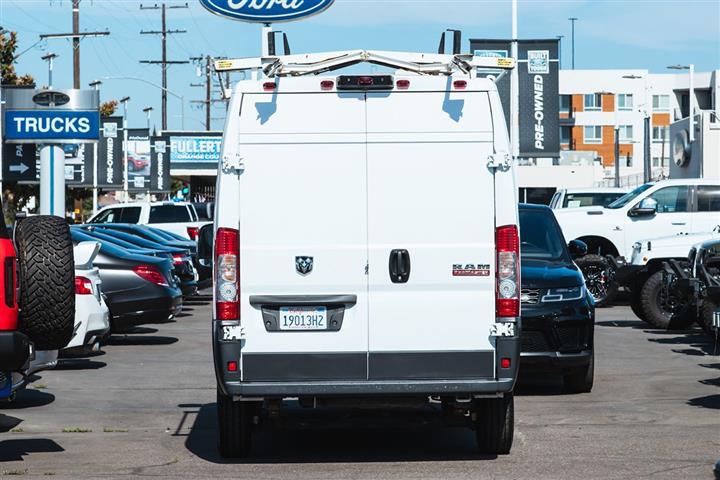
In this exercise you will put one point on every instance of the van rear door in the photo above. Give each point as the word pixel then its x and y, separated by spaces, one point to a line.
pixel 303 236
pixel 431 234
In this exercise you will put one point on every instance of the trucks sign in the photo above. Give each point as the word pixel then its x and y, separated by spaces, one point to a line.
pixel 51 125
pixel 266 11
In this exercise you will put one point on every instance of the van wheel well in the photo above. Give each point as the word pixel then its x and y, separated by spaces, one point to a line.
pixel 600 246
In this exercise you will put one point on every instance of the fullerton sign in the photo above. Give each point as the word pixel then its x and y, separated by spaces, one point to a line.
pixel 266 11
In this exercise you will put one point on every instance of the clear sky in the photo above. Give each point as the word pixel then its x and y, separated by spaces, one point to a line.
pixel 645 34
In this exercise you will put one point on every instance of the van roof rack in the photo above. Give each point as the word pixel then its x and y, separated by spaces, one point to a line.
pixel 316 63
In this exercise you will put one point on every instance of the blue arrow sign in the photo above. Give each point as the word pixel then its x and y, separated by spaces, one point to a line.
pixel 266 11
pixel 51 125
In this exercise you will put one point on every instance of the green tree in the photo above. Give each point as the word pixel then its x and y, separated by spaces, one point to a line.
pixel 8 47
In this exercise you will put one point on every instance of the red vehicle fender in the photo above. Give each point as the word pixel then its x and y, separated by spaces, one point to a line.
pixel 8 281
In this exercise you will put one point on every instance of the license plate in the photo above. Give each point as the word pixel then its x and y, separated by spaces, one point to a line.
pixel 303 318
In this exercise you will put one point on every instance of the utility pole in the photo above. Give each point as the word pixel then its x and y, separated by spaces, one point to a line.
pixel 76 43
pixel 207 103
pixel 573 20
pixel 76 36
pixel 164 63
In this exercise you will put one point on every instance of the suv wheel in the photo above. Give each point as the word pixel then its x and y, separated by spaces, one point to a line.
pixel 495 424
pixel 46 276
pixel 706 317
pixel 235 421
pixel 599 278
pixel 662 308
pixel 581 380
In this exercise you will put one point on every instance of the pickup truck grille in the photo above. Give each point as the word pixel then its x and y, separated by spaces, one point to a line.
pixel 530 296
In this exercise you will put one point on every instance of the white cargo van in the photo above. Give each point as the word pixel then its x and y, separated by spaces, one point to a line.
pixel 366 243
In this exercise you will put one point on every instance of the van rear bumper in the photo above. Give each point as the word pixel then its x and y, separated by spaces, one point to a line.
pixel 385 387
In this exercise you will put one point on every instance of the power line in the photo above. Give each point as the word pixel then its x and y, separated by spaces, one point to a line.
pixel 164 62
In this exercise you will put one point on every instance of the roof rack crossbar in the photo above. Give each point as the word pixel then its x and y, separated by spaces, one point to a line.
pixel 316 63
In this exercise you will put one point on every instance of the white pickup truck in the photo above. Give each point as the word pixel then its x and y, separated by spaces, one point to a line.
pixel 659 209
pixel 176 217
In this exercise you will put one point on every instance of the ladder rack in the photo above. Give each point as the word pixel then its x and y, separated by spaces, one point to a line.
pixel 316 63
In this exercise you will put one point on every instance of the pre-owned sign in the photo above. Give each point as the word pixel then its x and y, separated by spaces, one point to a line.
pixel 538 72
pixel 110 153
pixel 51 125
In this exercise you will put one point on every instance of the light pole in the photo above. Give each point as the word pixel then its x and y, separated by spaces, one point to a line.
pixel 124 102
pixel 49 58
pixel 95 85
pixel 147 111
pixel 560 37
pixel 176 95
pixel 572 21
pixel 647 167
pixel 691 95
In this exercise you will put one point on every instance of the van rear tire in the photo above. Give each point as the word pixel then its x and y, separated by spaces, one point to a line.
pixel 495 424
pixel 235 421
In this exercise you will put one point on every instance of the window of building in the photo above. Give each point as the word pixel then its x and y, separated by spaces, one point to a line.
pixel 626 133
pixel 565 134
pixel 708 198
pixel 671 199
pixel 593 134
pixel 593 101
pixel 659 162
pixel 565 103
pixel 661 134
pixel 626 161
pixel 661 103
pixel 624 101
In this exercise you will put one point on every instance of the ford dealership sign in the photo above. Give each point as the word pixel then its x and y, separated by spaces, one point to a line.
pixel 266 11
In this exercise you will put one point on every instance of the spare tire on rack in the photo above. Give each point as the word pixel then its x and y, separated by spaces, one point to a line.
pixel 46 280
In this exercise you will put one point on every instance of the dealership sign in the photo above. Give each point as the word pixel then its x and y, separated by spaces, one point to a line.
pixel 266 11
pixel 51 125
pixel 195 149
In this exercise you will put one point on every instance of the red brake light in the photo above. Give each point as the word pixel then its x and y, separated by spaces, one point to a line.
pixel 366 81
pixel 403 84
pixel 232 366
pixel 327 85
pixel 193 232
pixel 269 86
pixel 507 244
pixel 227 274
pixel 83 286
pixel 505 363
pixel 151 274
pixel 460 84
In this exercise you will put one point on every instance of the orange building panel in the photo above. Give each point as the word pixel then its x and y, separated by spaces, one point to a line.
pixel 660 119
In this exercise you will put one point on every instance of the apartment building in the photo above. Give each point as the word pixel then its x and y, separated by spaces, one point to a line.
pixel 594 102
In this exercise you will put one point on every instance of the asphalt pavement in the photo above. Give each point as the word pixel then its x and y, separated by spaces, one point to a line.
pixel 146 407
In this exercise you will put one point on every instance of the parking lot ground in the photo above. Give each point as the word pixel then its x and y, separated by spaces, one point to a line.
pixel 146 407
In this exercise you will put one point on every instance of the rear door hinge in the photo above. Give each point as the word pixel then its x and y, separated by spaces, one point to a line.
pixel 500 161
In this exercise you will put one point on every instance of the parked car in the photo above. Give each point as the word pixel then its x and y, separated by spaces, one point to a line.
pixel 585 197
pixel 92 317
pixel 38 298
pixel 138 288
pixel 182 262
pixel 558 313
pixel 368 273
pixel 652 296
pixel 177 217
pixel 657 209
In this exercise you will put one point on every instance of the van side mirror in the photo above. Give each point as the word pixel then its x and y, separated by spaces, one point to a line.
pixel 205 241
pixel 646 208
pixel 577 249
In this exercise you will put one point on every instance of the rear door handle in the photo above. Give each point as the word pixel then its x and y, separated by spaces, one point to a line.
pixel 399 266
pixel 679 223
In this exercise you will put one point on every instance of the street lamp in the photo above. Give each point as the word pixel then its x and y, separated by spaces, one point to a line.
pixel 147 111
pixel 49 58
pixel 647 167
pixel 95 84
pixel 691 94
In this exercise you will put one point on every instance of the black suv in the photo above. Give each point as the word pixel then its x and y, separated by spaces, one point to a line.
pixel 558 312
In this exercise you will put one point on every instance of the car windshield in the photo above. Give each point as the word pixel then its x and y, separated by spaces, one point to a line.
pixel 541 237
pixel 629 197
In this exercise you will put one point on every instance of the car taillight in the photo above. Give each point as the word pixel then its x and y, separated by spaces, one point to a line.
pixel 151 274
pixel 193 232
pixel 83 286
pixel 178 259
pixel 507 244
pixel 227 274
